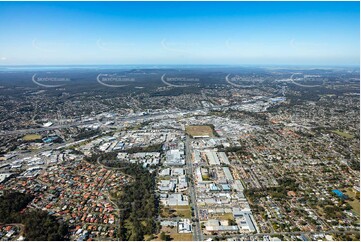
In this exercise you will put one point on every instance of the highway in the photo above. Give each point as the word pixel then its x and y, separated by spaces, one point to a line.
pixel 79 123
pixel 197 232
pixel 234 84
pixel 303 85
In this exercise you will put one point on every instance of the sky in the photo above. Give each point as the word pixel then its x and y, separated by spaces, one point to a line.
pixel 116 33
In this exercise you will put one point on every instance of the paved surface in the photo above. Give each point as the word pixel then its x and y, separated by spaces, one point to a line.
pixel 286 233
pixel 79 123
pixel 197 233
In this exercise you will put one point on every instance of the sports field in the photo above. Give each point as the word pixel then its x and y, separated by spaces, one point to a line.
pixel 31 137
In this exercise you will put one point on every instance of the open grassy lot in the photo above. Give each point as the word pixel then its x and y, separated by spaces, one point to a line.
pixel 183 211
pixel 181 237
pixel 166 212
pixel 31 137
pixel 225 216
pixel 174 236
pixel 147 237
pixel 343 134
pixel 176 211
pixel 355 204
pixel 200 130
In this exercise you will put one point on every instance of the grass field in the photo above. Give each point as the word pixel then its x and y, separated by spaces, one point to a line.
pixel 355 204
pixel 147 237
pixel 183 211
pixel 181 237
pixel 180 211
pixel 166 212
pixel 199 130
pixel 343 134
pixel 174 236
pixel 31 137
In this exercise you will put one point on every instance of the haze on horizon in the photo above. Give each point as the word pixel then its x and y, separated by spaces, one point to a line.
pixel 258 33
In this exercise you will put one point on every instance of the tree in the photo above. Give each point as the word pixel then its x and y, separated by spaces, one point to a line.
pixel 39 225
pixel 163 236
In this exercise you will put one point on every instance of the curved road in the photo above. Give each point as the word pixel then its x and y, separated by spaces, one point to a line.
pixel 234 84
pixel 302 85
pixel 170 84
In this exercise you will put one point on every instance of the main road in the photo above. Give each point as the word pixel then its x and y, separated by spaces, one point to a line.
pixel 238 236
pixel 303 85
pixel 197 232
pixel 89 122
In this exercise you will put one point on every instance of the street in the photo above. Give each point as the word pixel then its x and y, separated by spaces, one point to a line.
pixel 197 232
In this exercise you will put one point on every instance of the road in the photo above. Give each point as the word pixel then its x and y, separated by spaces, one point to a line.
pixel 79 123
pixel 288 233
pixel 197 232
pixel 119 121
pixel 303 85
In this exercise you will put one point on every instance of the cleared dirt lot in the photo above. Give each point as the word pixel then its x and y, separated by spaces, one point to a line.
pixel 199 130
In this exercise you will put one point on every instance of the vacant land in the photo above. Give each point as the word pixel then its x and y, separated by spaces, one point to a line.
pixel 32 137
pixel 176 211
pixel 343 134
pixel 174 236
pixel 200 131
pixel 183 211
pixel 225 216
pixel 355 204
pixel 166 212
pixel 181 237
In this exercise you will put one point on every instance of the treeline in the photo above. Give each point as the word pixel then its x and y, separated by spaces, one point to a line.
pixel 113 155
pixel 355 165
pixel 138 205
pixel 150 148
pixel 215 134
pixel 242 150
pixel 39 225
pixel 86 133
pixel 10 206
pixel 137 202
pixel 286 184
pixel 109 156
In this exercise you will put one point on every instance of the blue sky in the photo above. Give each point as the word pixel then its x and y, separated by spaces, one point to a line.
pixel 65 33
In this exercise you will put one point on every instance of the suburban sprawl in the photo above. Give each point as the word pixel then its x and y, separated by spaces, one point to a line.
pixel 264 154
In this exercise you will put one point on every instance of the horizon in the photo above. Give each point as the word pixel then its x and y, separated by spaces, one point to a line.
pixel 195 64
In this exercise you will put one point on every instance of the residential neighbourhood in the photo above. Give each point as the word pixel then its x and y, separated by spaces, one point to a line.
pixel 244 164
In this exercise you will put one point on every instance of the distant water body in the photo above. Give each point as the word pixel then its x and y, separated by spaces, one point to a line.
pixel 127 67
